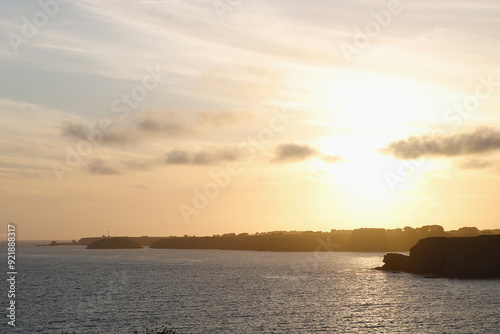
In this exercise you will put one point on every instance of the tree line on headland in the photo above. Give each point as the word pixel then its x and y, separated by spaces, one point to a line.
pixel 358 240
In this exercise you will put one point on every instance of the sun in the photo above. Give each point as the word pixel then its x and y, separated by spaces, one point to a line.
pixel 363 177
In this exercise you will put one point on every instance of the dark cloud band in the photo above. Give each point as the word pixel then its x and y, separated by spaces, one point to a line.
pixel 481 140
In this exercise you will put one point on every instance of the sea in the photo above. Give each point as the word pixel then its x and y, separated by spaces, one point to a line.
pixel 75 290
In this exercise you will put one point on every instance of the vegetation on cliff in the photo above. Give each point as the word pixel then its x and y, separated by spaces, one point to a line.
pixel 114 243
pixel 359 240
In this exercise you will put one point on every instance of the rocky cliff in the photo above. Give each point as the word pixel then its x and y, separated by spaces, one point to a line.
pixel 469 257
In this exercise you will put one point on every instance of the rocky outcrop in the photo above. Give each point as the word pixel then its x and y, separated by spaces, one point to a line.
pixel 114 243
pixel 396 262
pixel 469 257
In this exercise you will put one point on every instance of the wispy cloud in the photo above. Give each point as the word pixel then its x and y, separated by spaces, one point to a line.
pixel 83 131
pixel 172 128
pixel 99 167
pixel 331 159
pixel 174 123
pixel 138 165
pixel 156 124
pixel 223 118
pixel 472 164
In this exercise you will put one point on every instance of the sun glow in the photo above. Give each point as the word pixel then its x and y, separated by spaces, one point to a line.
pixel 367 111
pixel 375 103
pixel 362 178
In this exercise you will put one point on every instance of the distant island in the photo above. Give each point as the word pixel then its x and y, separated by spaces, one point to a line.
pixel 358 240
pixel 54 243
pixel 468 257
pixel 114 243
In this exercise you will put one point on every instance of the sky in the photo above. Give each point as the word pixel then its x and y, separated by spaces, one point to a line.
pixel 183 117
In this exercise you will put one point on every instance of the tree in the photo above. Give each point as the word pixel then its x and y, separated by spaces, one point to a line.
pixel 469 231
pixel 431 231
pixel 408 229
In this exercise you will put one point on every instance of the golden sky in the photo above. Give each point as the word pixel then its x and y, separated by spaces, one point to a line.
pixel 209 117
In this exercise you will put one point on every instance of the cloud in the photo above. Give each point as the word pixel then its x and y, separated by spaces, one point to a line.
pixel 170 123
pixel 152 125
pixel 138 165
pixel 331 159
pixel 82 131
pixel 477 164
pixel 178 157
pixel 294 153
pixel 290 153
pixel 76 130
pixel 204 157
pixel 98 167
pixel 481 140
pixel 175 124
pixel 223 118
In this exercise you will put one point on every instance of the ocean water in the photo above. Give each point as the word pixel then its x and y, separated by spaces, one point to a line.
pixel 70 288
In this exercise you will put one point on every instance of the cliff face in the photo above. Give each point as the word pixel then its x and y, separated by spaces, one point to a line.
pixel 471 257
pixel 396 262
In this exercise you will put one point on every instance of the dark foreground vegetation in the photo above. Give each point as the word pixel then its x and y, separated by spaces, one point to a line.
pixel 469 257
